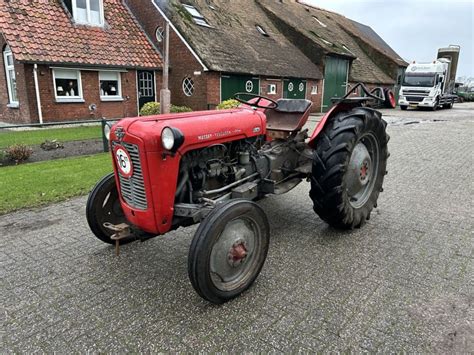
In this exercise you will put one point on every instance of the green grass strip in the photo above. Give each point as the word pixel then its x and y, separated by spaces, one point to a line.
pixel 36 137
pixel 36 184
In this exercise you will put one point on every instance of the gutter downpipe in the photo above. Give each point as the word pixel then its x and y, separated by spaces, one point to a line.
pixel 38 99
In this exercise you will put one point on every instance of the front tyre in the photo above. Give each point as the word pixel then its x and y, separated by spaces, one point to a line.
pixel 349 166
pixel 228 250
pixel 103 205
pixel 403 107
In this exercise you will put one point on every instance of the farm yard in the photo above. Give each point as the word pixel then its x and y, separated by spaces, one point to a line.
pixel 403 282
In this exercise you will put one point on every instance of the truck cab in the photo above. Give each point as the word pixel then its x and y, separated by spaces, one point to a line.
pixel 424 85
pixel 431 85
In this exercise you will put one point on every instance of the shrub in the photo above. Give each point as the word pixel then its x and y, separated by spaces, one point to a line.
pixel 228 104
pixel 18 153
pixel 150 108
pixel 176 109
pixel 153 108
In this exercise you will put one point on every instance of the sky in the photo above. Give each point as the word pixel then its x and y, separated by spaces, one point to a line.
pixel 415 29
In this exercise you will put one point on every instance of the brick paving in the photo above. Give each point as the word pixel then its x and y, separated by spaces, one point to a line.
pixel 404 282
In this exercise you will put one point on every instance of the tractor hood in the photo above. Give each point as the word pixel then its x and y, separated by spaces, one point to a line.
pixel 199 128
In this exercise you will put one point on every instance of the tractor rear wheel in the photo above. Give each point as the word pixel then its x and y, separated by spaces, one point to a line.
pixel 103 205
pixel 349 166
pixel 390 101
pixel 228 250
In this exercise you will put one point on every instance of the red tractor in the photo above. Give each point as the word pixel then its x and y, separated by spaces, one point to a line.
pixel 208 167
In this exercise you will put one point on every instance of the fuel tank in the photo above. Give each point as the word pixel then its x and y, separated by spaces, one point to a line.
pixel 199 128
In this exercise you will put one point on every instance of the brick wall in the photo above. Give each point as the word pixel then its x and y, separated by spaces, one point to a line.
pixel 182 62
pixel 58 111
pixel 213 80
pixel 264 82
pixel 315 98
pixel 22 113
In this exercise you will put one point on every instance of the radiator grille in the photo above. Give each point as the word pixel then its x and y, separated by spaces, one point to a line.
pixel 414 99
pixel 133 189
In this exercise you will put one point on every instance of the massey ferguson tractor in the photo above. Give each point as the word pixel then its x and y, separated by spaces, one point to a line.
pixel 209 167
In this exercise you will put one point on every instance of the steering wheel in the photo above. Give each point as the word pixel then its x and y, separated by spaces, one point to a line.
pixel 254 100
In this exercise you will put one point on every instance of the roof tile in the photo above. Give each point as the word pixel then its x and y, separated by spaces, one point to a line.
pixel 43 31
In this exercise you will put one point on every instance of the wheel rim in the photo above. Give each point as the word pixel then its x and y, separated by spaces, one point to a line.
pixel 108 209
pixel 362 170
pixel 234 256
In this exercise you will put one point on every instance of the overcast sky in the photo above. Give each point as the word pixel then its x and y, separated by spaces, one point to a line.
pixel 415 29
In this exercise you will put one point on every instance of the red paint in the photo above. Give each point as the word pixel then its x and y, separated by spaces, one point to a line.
pixel 160 172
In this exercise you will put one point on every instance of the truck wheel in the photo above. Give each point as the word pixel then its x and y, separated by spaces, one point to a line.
pixel 448 106
pixel 103 205
pixel 349 166
pixel 435 107
pixel 228 250
pixel 403 108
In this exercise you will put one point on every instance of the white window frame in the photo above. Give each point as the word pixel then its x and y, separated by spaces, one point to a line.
pixel 188 86
pixel 7 52
pixel 88 12
pixel 314 90
pixel 262 31
pixel 272 89
pixel 196 15
pixel 320 22
pixel 117 97
pixel 67 99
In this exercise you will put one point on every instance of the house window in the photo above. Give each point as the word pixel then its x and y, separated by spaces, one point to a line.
pixel 88 12
pixel 188 86
pixel 197 17
pixel 67 85
pixel 272 89
pixel 262 31
pixel 110 86
pixel 159 34
pixel 10 76
pixel 314 90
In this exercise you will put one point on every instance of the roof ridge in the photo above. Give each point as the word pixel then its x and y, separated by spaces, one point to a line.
pixel 304 3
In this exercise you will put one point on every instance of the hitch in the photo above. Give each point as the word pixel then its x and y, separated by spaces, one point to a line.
pixel 121 230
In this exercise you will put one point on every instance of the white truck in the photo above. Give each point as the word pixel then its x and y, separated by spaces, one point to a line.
pixel 431 85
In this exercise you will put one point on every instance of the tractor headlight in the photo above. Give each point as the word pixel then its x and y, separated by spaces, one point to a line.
pixel 171 138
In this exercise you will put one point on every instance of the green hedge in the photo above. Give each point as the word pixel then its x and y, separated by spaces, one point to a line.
pixel 153 108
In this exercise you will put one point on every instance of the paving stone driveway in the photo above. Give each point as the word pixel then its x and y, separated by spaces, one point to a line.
pixel 403 282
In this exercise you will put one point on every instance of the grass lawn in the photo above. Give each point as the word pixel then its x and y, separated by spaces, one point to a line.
pixel 35 184
pixel 36 137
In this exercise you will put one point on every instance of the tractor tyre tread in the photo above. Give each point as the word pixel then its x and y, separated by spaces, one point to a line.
pixel 331 157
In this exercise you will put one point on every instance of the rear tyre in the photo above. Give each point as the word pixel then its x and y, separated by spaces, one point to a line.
pixel 403 108
pixel 389 99
pixel 228 250
pixel 349 166
pixel 448 106
pixel 103 205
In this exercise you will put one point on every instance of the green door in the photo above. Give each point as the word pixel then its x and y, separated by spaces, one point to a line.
pixel 294 89
pixel 232 84
pixel 335 77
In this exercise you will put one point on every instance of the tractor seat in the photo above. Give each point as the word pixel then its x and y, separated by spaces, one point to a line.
pixel 290 115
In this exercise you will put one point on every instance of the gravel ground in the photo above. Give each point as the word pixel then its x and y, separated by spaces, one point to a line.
pixel 404 282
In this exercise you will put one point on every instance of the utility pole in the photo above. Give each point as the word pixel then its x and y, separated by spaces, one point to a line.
pixel 165 94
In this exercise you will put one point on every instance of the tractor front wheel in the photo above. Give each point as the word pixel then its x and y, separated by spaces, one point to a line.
pixel 349 166
pixel 228 250
pixel 103 205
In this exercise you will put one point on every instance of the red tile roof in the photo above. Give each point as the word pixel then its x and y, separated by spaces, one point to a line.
pixel 43 31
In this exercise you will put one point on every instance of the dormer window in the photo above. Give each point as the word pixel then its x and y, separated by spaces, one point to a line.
pixel 87 12
pixel 262 31
pixel 197 17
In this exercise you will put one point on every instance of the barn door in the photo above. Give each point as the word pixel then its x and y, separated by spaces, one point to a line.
pixel 145 87
pixel 232 84
pixel 335 80
pixel 294 89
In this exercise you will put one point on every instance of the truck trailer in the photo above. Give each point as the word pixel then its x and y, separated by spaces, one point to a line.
pixel 431 85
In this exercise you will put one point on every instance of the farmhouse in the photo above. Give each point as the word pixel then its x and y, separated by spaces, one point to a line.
pixel 275 48
pixel 73 59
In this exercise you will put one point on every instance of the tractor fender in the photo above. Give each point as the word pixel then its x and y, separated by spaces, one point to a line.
pixel 331 113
